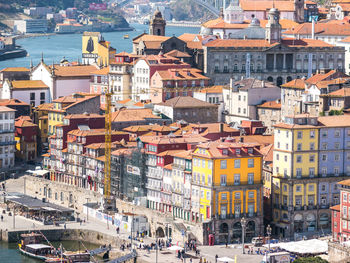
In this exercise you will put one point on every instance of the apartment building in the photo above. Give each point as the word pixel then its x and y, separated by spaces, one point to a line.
pixel 99 84
pixel 310 157
pixel 33 92
pixel 68 165
pixel 121 76
pixel 269 113
pixel 144 69
pixel 7 138
pixel 77 103
pixel 242 97
pixel 26 136
pixel 30 26
pixel 229 176
pixel 167 84
pixel 341 215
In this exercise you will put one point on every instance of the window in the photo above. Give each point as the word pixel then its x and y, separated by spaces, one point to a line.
pixel 237 179
pixel 223 196
pixel 250 178
pixel 223 179
pixel 337 133
pixel 237 163
pixel 223 164
pixel 250 163
pixel 337 145
pixel 299 172
pixel 299 146
pixel 300 135
pixel 336 171
pixel 324 146
pixel 312 158
pixel 277 156
pixel 312 146
pixel 311 172
pixel 298 188
pixel 237 195
pixel 312 134
pixel 311 187
pixel 324 171
pixel 324 134
pixel 299 158
pixel 345 197
pixel 208 195
pixel 336 157
pixel 285 158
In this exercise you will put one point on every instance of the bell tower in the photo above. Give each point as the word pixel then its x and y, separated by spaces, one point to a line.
pixel 157 24
pixel 299 11
pixel 273 27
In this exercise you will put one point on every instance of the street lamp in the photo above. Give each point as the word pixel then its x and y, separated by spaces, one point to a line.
pixel 243 223
pixel 268 231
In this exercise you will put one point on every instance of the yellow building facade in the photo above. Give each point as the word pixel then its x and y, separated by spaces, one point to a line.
pixel 229 175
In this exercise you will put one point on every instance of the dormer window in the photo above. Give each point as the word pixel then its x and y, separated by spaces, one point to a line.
pixel 250 150
pixel 300 121
pixel 238 151
pixel 224 152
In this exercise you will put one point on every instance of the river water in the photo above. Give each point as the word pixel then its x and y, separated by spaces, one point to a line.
pixel 56 47
pixel 10 254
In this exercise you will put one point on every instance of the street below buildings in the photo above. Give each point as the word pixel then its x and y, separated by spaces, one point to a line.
pixel 164 255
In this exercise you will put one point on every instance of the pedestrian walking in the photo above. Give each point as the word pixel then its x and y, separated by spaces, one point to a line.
pixel 65 226
pixel 216 258
pixel 2 218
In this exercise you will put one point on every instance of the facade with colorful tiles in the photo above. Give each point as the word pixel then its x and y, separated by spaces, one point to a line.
pixel 99 83
pixel 341 214
pixel 7 138
pixel 310 157
pixel 26 134
pixel 229 176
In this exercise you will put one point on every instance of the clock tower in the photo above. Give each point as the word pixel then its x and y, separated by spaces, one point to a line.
pixel 273 27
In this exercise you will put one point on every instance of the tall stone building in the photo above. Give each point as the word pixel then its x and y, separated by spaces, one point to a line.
pixel 157 24
pixel 268 56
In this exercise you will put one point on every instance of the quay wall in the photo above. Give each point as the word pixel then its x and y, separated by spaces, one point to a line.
pixel 338 253
pixel 85 235
pixel 75 197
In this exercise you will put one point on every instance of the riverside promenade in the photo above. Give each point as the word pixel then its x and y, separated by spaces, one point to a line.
pixel 97 232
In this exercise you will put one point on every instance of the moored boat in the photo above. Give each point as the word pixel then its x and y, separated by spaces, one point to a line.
pixel 126 36
pixel 72 257
pixel 31 246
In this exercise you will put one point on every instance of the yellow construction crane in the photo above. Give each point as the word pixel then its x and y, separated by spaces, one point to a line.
pixel 109 204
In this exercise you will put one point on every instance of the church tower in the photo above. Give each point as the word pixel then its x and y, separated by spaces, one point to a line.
pixel 273 27
pixel 299 11
pixel 157 24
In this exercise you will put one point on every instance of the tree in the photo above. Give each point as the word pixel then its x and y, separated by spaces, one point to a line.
pixel 310 260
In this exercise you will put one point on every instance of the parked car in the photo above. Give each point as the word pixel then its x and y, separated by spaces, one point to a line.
pixel 258 241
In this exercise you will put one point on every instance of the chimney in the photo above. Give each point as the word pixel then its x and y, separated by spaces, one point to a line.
pixel 313 29
pixel 263 84
pixel 241 139
pixel 232 82
pixel 221 127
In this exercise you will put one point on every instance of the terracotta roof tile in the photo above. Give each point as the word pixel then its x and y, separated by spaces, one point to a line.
pixel 102 71
pixel 74 71
pixel 271 105
pixel 186 102
pixel 147 38
pixel 182 74
pixel 344 92
pixel 250 5
pixel 28 84
pixel 45 106
pixel 5 109
pixel 319 77
pixel 12 102
pixel 15 69
pixel 240 43
pixel 295 84
pixel 213 89
pixel 178 54
pixel 326 29
pixel 125 115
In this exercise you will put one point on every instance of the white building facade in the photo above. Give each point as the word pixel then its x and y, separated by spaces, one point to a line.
pixel 7 138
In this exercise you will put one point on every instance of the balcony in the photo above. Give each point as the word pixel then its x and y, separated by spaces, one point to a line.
pixel 324 206
pixel 7 131
pixel 311 207
pixel 298 208
pixel 7 143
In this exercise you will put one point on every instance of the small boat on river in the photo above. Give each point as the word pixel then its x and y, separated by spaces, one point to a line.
pixel 31 246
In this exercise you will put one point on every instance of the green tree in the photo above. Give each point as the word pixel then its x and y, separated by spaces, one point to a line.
pixel 311 260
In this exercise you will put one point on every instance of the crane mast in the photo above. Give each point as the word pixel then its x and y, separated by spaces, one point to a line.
pixel 109 203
